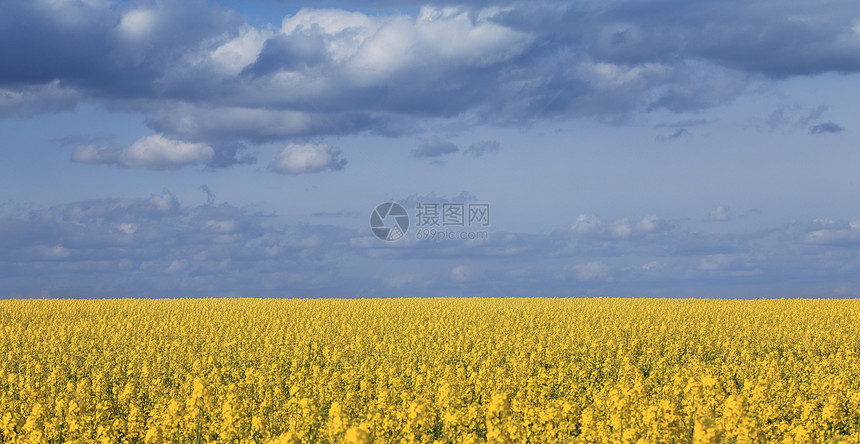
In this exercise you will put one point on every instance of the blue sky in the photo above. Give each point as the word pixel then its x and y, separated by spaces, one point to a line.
pixel 626 148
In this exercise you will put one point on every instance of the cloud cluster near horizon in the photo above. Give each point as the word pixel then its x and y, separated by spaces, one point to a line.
pixel 156 245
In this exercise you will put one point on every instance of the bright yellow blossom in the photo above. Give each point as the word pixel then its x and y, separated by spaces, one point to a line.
pixel 429 371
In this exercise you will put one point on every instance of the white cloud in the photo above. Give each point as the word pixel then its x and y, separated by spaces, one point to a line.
pixel 648 224
pixel 93 155
pixel 154 152
pixel 204 123
pixel 589 226
pixel 835 236
pixel 137 23
pixel 714 262
pixel 162 203
pixel 586 224
pixel 390 49
pixel 35 99
pixel 176 266
pixel 401 280
pixel 306 158
pixel 621 228
pixel 221 226
pixel 157 152
pixel 455 36
pixel 57 252
pixel 653 265
pixel 720 214
pixel 241 51
pixel 330 21
pixel 610 76
pixel 461 273
pixel 128 228
pixel 372 49
pixel 591 270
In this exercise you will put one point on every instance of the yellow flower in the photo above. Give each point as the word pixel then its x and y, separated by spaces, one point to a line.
pixel 429 370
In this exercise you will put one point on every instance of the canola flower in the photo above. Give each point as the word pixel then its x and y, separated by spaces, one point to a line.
pixel 429 370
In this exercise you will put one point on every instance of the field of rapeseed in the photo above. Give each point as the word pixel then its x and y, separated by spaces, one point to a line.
pixel 425 370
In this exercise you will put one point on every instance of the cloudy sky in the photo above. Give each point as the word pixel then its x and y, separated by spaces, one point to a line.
pixel 624 147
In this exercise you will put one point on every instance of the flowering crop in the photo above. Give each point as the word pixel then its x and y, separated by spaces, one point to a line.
pixel 425 370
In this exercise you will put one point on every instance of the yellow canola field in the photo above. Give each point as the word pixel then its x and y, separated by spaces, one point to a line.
pixel 425 370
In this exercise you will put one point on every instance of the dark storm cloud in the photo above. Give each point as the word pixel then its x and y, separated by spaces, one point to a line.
pixel 775 38
pixel 299 51
pixel 123 51
pixel 434 147
pixel 825 127
pixel 201 74
pixel 230 153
